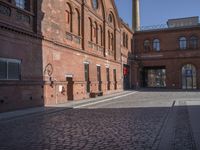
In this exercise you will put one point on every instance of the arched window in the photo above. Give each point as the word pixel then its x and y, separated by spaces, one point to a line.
pixel 101 35
pixel 126 40
pixel 110 19
pixel 112 41
pixel 189 79
pixel 77 23
pixel 156 45
pixel 193 42
pixel 68 18
pixel 91 29
pixel 108 39
pixel 96 33
pixel 147 45
pixel 182 43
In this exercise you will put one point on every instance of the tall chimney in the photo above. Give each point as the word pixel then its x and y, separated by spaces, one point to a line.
pixel 136 15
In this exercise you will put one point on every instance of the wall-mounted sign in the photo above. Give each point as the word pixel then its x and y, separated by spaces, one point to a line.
pixel 188 73
pixel 69 75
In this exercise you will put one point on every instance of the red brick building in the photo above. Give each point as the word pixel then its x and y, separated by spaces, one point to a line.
pixel 168 57
pixel 55 51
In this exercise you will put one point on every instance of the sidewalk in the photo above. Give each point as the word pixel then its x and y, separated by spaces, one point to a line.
pixel 182 127
pixel 58 107
pixel 194 112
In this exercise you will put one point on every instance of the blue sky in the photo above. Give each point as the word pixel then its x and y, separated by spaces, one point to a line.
pixel 154 12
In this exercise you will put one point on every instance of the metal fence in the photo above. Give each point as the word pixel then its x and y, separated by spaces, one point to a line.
pixel 163 26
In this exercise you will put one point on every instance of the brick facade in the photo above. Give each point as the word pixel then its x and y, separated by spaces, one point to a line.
pixel 53 40
pixel 170 56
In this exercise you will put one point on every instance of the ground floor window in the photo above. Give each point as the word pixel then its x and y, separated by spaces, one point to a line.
pixel 99 78
pixel 9 69
pixel 189 80
pixel 154 77
pixel 87 77
pixel 108 78
pixel 115 78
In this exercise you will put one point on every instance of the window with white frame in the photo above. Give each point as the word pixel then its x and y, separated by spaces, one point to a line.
pixel 156 45
pixel 182 43
pixel 9 69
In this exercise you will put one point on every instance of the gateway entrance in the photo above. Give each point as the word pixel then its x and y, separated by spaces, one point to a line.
pixel 154 77
pixel 189 79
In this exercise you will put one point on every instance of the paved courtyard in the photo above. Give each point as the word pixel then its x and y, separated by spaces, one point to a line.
pixel 142 121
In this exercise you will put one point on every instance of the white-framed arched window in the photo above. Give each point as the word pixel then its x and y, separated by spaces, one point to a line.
pixel 182 43
pixel 156 45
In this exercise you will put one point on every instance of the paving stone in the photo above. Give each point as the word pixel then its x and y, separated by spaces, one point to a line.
pixel 132 122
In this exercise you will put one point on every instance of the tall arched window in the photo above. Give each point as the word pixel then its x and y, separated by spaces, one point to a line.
pixel 96 33
pixel 126 40
pixel 91 29
pixel 189 79
pixel 101 35
pixel 156 45
pixel 77 22
pixel 68 18
pixel 109 40
pixel 193 42
pixel 182 43
pixel 147 45
pixel 112 41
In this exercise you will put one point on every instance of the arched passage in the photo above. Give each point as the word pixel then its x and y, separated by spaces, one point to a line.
pixel 189 80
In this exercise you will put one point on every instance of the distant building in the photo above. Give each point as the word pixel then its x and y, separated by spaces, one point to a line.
pixel 168 57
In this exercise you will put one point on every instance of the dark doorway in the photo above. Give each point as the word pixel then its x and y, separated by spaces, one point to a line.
pixel 108 78
pixel 87 78
pixel 115 78
pixel 126 71
pixel 70 88
pixel 154 77
pixel 99 78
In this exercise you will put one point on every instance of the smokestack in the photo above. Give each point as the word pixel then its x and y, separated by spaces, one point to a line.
pixel 136 15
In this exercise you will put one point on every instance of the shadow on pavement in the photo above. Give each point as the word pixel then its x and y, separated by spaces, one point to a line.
pixel 103 128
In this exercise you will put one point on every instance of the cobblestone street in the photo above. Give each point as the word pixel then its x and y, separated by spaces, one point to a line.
pixel 132 122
